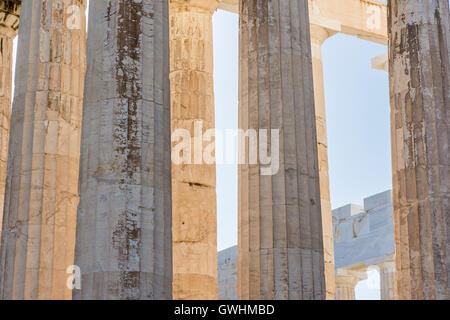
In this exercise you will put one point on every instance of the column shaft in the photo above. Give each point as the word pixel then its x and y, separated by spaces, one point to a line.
pixel 41 190
pixel 318 36
pixel 280 225
pixel 345 287
pixel 194 180
pixel 124 243
pixel 346 281
pixel 419 54
pixel 387 280
pixel 9 25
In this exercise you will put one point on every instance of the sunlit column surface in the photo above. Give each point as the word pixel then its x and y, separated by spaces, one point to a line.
pixel 318 36
pixel 41 190
pixel 124 241
pixel 280 225
pixel 9 25
pixel 419 54
pixel 194 183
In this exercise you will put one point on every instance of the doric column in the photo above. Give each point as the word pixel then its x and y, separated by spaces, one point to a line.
pixel 41 190
pixel 419 54
pixel 387 280
pixel 318 36
pixel 346 281
pixel 124 243
pixel 280 225
pixel 9 26
pixel 194 180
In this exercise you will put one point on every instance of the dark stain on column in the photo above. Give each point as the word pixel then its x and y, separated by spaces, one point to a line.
pixel 127 233
pixel 419 100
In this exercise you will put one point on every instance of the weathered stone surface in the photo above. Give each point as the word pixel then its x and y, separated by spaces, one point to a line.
pixel 9 26
pixel 387 279
pixel 194 185
pixel 346 281
pixel 419 54
pixel 318 36
pixel 124 242
pixel 41 190
pixel 9 16
pixel 280 227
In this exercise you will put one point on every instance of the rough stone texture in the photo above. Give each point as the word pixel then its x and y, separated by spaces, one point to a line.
pixel 387 279
pixel 41 190
pixel 194 185
pixel 227 273
pixel 318 36
pixel 9 26
pixel 419 54
pixel 280 228
pixel 124 242
pixel 346 281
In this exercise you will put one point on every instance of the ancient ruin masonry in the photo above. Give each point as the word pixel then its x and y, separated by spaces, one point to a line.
pixel 124 240
pixel 38 237
pixel 9 27
pixel 419 66
pixel 194 181
pixel 280 224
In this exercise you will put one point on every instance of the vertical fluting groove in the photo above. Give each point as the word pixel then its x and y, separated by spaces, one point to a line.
pixel 291 280
pixel 8 31
pixel 420 96
pixel 168 222
pixel 279 95
pixel 155 160
pixel 264 183
pixel 254 205
pixel 314 180
pixel 293 269
pixel 281 228
pixel 301 149
pixel 243 169
pixel 123 245
pixel 9 248
pixel 194 184
pixel 38 239
pixel 387 280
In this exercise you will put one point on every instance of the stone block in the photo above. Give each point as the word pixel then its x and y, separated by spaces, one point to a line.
pixel 381 199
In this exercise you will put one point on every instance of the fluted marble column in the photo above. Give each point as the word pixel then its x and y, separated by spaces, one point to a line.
pixel 124 243
pixel 346 281
pixel 41 190
pixel 9 26
pixel 280 227
pixel 194 183
pixel 318 36
pixel 387 280
pixel 419 54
